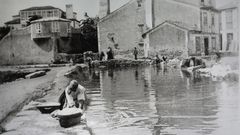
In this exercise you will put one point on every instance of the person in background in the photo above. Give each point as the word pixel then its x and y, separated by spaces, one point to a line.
pixel 110 54
pixel 158 60
pixel 102 56
pixel 164 58
pixel 135 53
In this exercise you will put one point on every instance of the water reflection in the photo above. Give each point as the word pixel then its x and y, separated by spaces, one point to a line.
pixel 156 100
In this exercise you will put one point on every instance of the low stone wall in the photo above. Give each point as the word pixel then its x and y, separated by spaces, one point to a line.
pixel 120 63
pixel 67 58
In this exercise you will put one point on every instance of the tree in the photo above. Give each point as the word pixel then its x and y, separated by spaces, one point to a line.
pixel 4 31
pixel 88 28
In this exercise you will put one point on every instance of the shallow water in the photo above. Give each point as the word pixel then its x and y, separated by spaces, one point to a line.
pixel 159 101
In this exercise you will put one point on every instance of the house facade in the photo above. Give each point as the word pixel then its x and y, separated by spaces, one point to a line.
pixel 198 18
pixel 230 28
pixel 43 11
pixel 121 29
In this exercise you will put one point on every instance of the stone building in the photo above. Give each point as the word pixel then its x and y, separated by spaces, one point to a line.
pixel 41 42
pixel 122 28
pixel 190 27
pixel 230 28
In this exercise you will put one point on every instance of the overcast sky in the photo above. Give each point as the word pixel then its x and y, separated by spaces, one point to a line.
pixel 12 7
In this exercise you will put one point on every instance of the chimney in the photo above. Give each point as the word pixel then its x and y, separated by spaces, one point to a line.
pixel 104 8
pixel 69 11
pixel 153 13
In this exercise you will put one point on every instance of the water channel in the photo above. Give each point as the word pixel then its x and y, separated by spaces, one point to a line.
pixel 152 100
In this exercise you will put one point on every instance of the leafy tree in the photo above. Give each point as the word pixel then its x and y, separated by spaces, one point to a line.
pixel 88 28
pixel 4 31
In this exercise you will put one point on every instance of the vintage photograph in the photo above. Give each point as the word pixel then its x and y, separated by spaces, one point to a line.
pixel 119 67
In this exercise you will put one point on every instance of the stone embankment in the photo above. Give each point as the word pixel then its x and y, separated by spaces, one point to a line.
pixel 33 121
pixel 116 63
pixel 14 95
pixel 9 75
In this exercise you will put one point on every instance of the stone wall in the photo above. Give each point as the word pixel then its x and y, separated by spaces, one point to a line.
pixel 167 40
pixel 18 48
pixel 122 29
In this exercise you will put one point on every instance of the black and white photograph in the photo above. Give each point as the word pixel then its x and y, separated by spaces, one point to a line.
pixel 119 67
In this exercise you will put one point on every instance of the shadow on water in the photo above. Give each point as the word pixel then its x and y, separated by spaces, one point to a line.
pixel 155 100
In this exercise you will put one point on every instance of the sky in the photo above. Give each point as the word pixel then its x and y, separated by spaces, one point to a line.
pixel 8 8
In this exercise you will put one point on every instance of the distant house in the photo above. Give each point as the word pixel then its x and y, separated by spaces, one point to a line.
pixel 20 21
pixel 175 38
pixel 53 38
pixel 49 27
pixel 183 25
pixel 14 23
pixel 230 28
pixel 122 28
pixel 43 11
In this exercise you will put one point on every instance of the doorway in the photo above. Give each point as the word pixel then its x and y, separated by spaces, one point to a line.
pixel 206 46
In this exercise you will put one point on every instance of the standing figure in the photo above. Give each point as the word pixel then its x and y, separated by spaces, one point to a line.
pixel 110 54
pixel 135 53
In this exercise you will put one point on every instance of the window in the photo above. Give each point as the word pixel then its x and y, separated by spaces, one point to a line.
pixel 198 45
pixel 202 2
pixel 56 13
pixel 49 13
pixel 213 19
pixel 214 43
pixel 39 13
pixel 229 41
pixel 44 14
pixel 205 19
pixel 229 19
pixel 38 28
pixel 30 14
pixel 139 2
pixel 68 28
pixel 141 28
pixel 55 27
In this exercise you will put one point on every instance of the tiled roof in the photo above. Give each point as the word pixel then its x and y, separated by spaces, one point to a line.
pixel 40 8
pixel 174 23
pixel 14 21
pixel 116 11
pixel 233 4
pixel 210 8
pixel 48 19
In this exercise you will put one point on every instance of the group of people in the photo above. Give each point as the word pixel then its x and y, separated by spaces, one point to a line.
pixel 192 62
pixel 159 60
pixel 109 55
